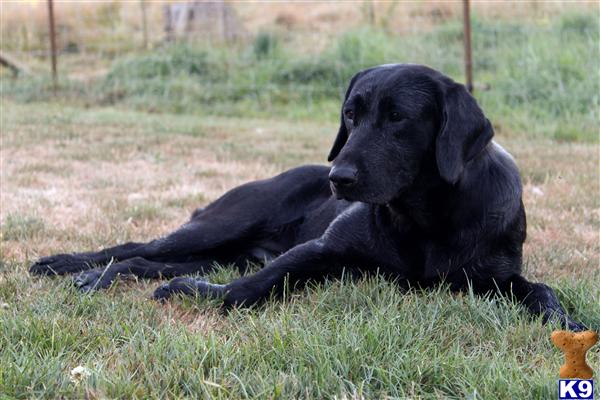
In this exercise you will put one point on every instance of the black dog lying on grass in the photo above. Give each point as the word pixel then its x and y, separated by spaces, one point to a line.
pixel 418 192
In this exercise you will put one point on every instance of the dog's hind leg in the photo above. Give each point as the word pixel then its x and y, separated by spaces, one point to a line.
pixel 198 237
pixel 231 225
pixel 60 264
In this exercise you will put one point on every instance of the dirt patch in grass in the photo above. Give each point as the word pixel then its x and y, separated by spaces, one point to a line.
pixel 107 181
pixel 562 209
pixel 92 183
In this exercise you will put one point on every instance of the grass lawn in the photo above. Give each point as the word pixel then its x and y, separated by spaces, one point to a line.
pixel 74 179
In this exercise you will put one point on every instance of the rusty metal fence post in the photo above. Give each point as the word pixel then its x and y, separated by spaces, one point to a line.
pixel 467 43
pixel 52 33
pixel 144 23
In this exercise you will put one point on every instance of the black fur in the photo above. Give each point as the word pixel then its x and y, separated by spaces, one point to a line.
pixel 417 191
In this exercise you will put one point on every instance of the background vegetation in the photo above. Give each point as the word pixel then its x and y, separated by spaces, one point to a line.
pixel 536 74
pixel 134 139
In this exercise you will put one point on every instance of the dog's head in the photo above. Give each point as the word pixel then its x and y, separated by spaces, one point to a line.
pixel 394 119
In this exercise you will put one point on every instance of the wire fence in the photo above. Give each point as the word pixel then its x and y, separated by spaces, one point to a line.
pixel 106 30
pixel 530 59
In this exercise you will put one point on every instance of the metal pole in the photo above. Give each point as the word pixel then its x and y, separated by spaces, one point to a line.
pixel 144 23
pixel 371 11
pixel 52 42
pixel 467 42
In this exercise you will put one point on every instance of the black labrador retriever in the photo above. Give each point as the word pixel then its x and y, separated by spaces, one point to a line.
pixel 417 191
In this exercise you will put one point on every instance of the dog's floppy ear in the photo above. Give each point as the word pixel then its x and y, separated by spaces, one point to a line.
pixel 464 134
pixel 342 136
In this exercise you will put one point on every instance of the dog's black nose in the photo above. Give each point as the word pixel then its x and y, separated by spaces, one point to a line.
pixel 343 176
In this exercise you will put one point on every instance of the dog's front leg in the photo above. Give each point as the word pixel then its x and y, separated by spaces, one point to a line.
pixel 310 260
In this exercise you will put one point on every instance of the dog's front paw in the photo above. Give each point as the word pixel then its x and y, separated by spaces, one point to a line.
pixel 92 280
pixel 59 264
pixel 574 326
pixel 188 286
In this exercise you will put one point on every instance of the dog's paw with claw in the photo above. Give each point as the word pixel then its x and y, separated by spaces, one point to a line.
pixel 59 264
pixel 574 326
pixel 92 280
pixel 190 287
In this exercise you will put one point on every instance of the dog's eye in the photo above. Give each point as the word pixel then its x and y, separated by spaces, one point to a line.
pixel 349 114
pixel 395 116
